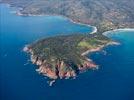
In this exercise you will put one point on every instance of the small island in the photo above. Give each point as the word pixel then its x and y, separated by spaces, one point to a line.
pixel 65 57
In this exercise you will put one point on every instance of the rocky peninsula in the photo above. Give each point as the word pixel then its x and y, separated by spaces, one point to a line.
pixel 65 57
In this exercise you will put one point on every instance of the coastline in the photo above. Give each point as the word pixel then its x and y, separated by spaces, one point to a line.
pixel 93 32
pixel 17 12
pixel 117 30
pixel 75 22
pixel 71 20
pixel 98 49
pixel 88 63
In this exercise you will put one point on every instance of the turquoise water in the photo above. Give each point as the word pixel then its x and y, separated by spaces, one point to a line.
pixel 113 81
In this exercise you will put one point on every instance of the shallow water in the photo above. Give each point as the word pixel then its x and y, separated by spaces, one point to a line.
pixel 113 81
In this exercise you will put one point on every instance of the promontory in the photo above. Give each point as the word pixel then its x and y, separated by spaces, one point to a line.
pixel 65 56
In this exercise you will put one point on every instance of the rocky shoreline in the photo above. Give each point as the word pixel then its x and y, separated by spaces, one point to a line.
pixel 43 67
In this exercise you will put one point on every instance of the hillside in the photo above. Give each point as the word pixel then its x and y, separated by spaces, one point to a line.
pixel 105 14
pixel 65 56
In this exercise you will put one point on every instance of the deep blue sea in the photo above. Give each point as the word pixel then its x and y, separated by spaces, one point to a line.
pixel 19 81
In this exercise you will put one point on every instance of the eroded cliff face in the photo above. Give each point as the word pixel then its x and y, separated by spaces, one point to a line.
pixel 60 68
pixel 64 57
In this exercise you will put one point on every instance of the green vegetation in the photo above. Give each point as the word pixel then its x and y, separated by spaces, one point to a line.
pixel 91 43
pixel 104 14
pixel 66 48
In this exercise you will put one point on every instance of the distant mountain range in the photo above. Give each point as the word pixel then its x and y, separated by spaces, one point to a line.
pixel 105 14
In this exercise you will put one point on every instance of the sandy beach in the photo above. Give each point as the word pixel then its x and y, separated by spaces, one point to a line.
pixel 117 30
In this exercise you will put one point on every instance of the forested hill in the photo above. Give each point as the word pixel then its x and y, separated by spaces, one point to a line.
pixel 106 14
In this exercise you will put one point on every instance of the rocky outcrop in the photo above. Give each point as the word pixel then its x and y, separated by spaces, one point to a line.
pixel 64 57
pixel 60 69
pixel 53 72
pixel 87 65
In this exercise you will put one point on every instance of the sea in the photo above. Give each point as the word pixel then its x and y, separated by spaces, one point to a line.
pixel 114 80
